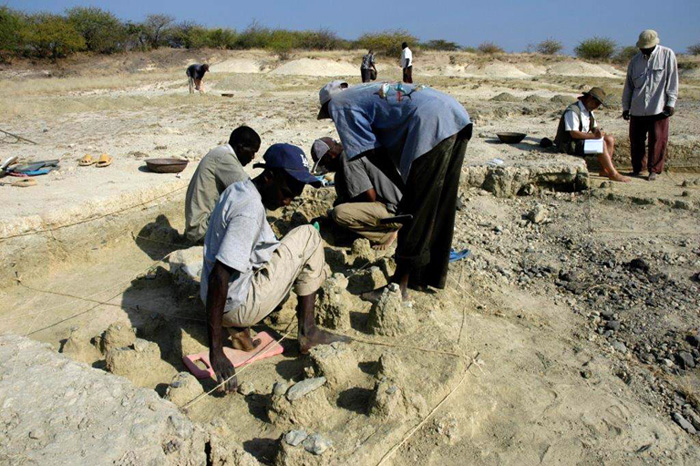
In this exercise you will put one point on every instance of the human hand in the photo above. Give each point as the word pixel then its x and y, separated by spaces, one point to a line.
pixel 669 111
pixel 597 133
pixel 224 371
pixel 626 115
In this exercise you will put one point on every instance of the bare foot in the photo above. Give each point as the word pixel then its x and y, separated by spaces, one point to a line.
pixel 387 243
pixel 620 178
pixel 242 340
pixel 315 336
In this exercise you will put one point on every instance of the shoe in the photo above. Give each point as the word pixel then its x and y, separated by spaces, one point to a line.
pixel 652 176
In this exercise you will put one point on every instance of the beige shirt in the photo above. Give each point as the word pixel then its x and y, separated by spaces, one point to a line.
pixel 216 171
pixel 652 83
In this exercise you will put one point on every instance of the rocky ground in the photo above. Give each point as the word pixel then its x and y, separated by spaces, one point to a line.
pixel 569 334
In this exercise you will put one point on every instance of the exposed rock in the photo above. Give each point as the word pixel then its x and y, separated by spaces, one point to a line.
pixel 303 388
pixel 538 215
pixel 387 401
pixel 685 425
pixel 639 264
pixel 79 415
pixel 118 335
pixel 132 362
pixel 183 389
pixel 311 411
pixel 337 363
pixel 685 360
pixel 316 444
pixel 362 250
pixel 390 316
pixel 335 303
pixel 295 437
pixel 246 388
pixel 224 451
pixel 185 268
pixel 280 388
pixel 79 347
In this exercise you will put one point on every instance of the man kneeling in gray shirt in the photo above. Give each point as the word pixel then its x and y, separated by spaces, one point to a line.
pixel 369 188
pixel 247 272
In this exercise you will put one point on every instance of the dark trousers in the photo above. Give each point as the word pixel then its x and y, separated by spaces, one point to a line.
pixel 366 75
pixel 431 197
pixel 648 141
pixel 408 74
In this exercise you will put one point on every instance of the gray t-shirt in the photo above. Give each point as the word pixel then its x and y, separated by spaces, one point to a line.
pixel 239 237
pixel 366 172
pixel 215 172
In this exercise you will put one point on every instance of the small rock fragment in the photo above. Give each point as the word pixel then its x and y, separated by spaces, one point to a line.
pixel 183 388
pixel 317 444
pixel 295 437
pixel 538 215
pixel 280 388
pixel 246 388
pixel 390 316
pixel 685 425
pixel 118 335
pixel 304 387
pixel 685 360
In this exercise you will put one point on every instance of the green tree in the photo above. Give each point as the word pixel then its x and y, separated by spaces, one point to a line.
pixel 155 28
pixel 387 42
pixel 52 36
pixel 549 47
pixel 13 32
pixel 597 48
pixel 694 49
pixel 102 31
pixel 441 44
pixel 221 38
pixel 625 54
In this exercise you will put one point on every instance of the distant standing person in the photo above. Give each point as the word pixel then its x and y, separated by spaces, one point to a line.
pixel 407 63
pixel 195 74
pixel 648 102
pixel 367 67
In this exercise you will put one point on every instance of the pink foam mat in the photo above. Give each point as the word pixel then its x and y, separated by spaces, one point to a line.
pixel 268 347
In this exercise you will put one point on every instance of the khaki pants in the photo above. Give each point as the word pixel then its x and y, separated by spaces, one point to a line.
pixel 298 263
pixel 363 218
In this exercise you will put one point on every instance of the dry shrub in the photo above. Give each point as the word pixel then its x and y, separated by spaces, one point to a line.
pixel 490 48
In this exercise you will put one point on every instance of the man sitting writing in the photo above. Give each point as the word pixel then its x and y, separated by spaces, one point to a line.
pixel 578 124
pixel 247 272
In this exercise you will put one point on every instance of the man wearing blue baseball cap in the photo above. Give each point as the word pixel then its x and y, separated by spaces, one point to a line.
pixel 248 272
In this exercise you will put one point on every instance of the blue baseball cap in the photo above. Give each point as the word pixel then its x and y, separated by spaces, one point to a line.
pixel 292 160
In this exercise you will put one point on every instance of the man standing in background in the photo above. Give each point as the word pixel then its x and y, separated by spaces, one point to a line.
pixel 407 63
pixel 648 102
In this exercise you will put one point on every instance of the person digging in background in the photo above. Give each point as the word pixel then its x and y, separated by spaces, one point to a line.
pixel 247 272
pixel 578 124
pixel 220 168
pixel 649 101
pixel 368 189
pixel 367 67
pixel 425 134
pixel 195 74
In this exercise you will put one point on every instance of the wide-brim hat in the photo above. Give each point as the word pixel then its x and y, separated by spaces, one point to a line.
pixel 648 39
pixel 326 94
pixel 598 94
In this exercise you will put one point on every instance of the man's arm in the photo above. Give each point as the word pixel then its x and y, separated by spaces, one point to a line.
pixel 368 196
pixel 627 92
pixel 671 84
pixel 594 134
pixel 216 300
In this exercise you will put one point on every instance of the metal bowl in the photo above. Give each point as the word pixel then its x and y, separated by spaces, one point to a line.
pixel 166 165
pixel 511 138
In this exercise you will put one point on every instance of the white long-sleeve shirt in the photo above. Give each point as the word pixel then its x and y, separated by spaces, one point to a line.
pixel 652 83
pixel 406 54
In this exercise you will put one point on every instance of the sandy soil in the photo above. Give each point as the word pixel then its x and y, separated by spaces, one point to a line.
pixel 538 377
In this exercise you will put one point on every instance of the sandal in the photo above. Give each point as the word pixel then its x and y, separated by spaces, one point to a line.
pixel 86 161
pixel 104 161
pixel 24 183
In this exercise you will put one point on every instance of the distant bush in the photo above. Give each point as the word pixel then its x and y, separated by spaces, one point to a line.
pixel 101 30
pixel 323 39
pixel 694 49
pixel 220 38
pixel 156 29
pixel 387 42
pixel 13 31
pixel 52 36
pixel 190 35
pixel 625 54
pixel 597 48
pixel 470 49
pixel 489 48
pixel 549 47
pixel 440 44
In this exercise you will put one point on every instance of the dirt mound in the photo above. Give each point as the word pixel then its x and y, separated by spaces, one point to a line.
pixel 497 70
pixel 238 65
pixel 579 69
pixel 320 67
pixel 505 97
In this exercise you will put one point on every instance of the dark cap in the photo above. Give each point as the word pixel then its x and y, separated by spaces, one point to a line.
pixel 292 160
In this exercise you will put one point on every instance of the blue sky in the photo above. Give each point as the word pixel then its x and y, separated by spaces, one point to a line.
pixel 513 24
